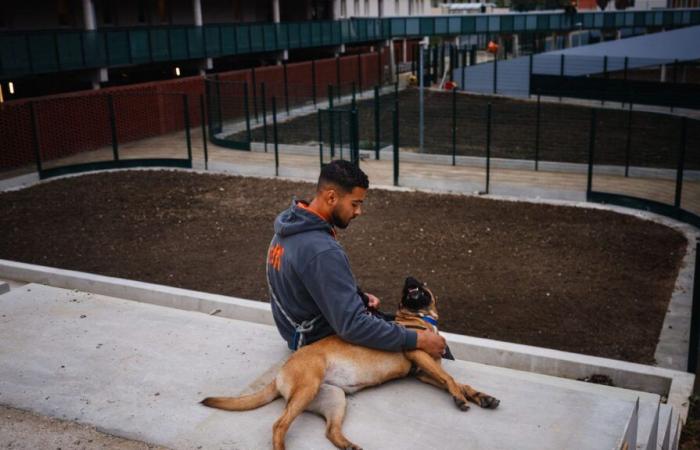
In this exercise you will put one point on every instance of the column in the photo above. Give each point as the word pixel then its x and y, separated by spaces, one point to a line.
pixel 284 55
pixel 90 22
pixel 516 45
pixel 206 63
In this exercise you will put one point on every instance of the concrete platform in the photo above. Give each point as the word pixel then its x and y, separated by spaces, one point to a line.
pixel 138 370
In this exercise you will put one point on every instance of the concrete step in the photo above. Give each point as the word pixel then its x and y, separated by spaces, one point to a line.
pixel 138 371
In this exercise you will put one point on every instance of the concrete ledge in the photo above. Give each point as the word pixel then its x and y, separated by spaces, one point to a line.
pixel 675 386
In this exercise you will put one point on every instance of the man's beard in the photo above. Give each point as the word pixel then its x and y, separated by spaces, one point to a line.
pixel 338 222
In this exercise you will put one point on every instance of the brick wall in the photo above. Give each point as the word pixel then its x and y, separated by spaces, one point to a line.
pixel 80 121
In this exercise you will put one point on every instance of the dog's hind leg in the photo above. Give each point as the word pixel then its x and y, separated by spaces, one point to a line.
pixel 330 403
pixel 299 398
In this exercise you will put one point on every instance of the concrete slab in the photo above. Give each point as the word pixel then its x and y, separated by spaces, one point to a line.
pixel 137 370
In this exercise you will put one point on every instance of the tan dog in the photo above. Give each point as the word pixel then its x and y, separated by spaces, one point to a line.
pixel 317 377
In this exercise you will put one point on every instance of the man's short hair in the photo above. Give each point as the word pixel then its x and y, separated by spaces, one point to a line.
pixel 344 175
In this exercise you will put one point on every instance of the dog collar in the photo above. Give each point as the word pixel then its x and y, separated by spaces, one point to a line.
pixel 430 320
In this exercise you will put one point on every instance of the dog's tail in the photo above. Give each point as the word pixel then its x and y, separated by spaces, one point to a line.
pixel 245 402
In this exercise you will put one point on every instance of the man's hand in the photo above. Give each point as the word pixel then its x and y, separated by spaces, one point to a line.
pixel 431 343
pixel 373 302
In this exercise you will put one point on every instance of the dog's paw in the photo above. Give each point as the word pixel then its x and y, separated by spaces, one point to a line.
pixel 461 403
pixel 488 402
pixel 353 447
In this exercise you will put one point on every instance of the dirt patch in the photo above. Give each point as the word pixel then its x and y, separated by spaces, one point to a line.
pixel 572 279
pixel 563 134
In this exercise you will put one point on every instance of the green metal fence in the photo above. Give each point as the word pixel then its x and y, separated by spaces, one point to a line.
pixel 36 52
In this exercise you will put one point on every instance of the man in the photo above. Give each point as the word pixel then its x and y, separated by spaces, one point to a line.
pixel 313 290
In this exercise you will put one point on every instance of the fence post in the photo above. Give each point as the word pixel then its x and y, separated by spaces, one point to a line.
pixel 337 75
pixel 219 107
pixel 488 146
pixel 203 116
pixel 247 111
pixel 379 64
pixel 330 120
pixel 354 140
pixel 353 104
pixel 264 113
pixel 274 136
pixel 414 56
pixel 495 74
pixel 255 96
pixel 529 76
pixel 186 105
pixel 464 69
pixel 359 71
pixel 605 80
pixel 454 126
pixel 694 315
pixel 320 136
pixel 395 120
pixel 113 127
pixel 537 133
pixel 628 144
pixel 377 124
pixel 436 58
pixel 591 148
pixel 442 59
pixel 681 163
pixel 286 87
pixel 35 136
pixel 313 80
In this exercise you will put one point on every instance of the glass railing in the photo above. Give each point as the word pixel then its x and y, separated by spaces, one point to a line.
pixel 35 52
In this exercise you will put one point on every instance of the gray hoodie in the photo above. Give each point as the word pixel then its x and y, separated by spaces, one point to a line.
pixel 313 288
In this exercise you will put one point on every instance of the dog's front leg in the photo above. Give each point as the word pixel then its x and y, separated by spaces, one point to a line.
pixel 433 370
pixel 474 396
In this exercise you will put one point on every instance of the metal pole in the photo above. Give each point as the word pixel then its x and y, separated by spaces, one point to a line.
pixel 454 126
pixel 286 87
pixel 320 137
pixel 537 133
pixel 628 144
pixel 353 104
pixel 337 75
pixel 274 136
pixel 264 114
pixel 605 80
pixel 694 340
pixel 35 135
pixel 313 80
pixel 354 139
pixel 488 147
pixel 464 69
pixel 247 111
pixel 331 121
pixel 529 78
pixel 495 74
pixel 377 125
pixel 395 117
pixel 421 113
pixel 203 113
pixel 359 71
pixel 113 127
pixel 591 148
pixel 186 106
pixel 255 96
pixel 681 163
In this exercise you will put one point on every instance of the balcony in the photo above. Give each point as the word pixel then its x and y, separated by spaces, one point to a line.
pixel 39 52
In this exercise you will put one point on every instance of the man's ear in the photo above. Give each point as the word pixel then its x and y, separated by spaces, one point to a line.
pixel 331 196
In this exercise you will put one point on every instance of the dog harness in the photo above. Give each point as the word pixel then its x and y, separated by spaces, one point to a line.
pixel 300 329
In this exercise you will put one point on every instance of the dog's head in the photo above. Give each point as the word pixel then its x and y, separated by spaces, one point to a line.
pixel 416 297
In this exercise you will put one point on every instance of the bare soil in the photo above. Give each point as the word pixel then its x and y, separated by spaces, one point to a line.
pixel 563 133
pixel 572 279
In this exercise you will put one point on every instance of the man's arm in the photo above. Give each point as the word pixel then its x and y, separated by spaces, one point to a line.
pixel 329 280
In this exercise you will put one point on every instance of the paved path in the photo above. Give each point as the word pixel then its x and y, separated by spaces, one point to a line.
pixel 138 370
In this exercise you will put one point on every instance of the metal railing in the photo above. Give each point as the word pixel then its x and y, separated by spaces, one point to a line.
pixel 36 52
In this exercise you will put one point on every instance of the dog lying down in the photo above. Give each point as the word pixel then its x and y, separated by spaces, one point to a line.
pixel 317 377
